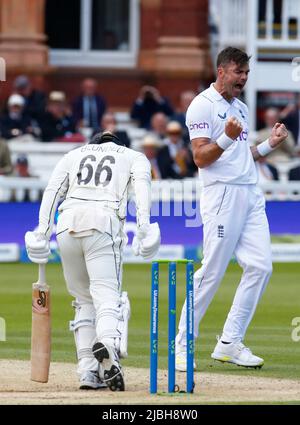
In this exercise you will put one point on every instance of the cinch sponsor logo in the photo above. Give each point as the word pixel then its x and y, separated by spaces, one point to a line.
pixel 199 126
pixel 243 135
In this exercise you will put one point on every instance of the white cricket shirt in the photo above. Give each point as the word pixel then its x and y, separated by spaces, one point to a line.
pixel 94 179
pixel 206 117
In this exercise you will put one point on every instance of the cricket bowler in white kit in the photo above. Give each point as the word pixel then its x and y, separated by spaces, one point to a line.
pixel 232 207
pixel 94 180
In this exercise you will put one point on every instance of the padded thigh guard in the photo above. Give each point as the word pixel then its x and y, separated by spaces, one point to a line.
pixel 112 324
pixel 84 330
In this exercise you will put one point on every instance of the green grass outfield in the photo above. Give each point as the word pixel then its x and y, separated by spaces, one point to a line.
pixel 269 334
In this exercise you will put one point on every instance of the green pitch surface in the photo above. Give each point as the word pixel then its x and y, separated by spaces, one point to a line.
pixel 269 336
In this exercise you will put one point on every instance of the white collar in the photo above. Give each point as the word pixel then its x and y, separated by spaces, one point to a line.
pixel 217 96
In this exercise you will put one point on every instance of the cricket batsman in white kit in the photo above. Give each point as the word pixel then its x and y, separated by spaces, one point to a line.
pixel 94 181
pixel 232 207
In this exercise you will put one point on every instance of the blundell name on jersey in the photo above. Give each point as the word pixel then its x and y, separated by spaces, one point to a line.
pixel 107 147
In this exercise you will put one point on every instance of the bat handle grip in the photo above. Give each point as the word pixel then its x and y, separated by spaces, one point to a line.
pixel 42 274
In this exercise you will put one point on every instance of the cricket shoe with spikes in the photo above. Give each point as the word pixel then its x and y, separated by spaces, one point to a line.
pixel 236 353
pixel 90 380
pixel 111 370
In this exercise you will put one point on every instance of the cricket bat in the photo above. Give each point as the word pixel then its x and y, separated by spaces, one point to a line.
pixel 41 328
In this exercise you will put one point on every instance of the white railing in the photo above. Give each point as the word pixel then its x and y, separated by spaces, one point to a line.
pixel 291 10
pixel 20 189
pixel 285 32
pixel 43 157
pixel 234 23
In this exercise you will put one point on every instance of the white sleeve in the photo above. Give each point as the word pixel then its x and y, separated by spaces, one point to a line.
pixel 199 119
pixel 141 182
pixel 55 190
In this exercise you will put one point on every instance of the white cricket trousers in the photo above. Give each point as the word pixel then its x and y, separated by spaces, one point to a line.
pixel 234 222
pixel 92 267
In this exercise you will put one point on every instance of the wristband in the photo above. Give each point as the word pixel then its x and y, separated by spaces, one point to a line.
pixel 224 141
pixel 264 148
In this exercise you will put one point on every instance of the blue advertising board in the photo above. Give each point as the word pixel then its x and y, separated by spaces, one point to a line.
pixel 180 224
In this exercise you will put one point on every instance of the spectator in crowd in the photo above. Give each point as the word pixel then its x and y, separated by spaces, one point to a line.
pixel 15 122
pixel 147 104
pixel 179 151
pixel 266 172
pixel 185 99
pixel 286 150
pixel 290 116
pixel 158 125
pixel 57 122
pixel 35 100
pixel 109 123
pixel 6 167
pixel 150 147
pixel 162 165
pixel 89 107
pixel 294 174
pixel 22 167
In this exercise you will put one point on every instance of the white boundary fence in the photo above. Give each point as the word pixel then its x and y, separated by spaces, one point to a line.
pixel 31 188
pixel 43 157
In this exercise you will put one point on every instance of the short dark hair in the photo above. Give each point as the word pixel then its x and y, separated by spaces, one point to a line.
pixel 232 54
pixel 105 137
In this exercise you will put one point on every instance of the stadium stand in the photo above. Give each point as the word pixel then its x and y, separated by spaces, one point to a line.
pixel 42 158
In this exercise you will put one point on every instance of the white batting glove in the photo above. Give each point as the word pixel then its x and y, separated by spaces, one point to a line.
pixel 37 246
pixel 147 241
pixel 140 234
pixel 135 246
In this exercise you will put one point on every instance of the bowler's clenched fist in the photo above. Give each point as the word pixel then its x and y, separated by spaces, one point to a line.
pixel 233 128
pixel 278 135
